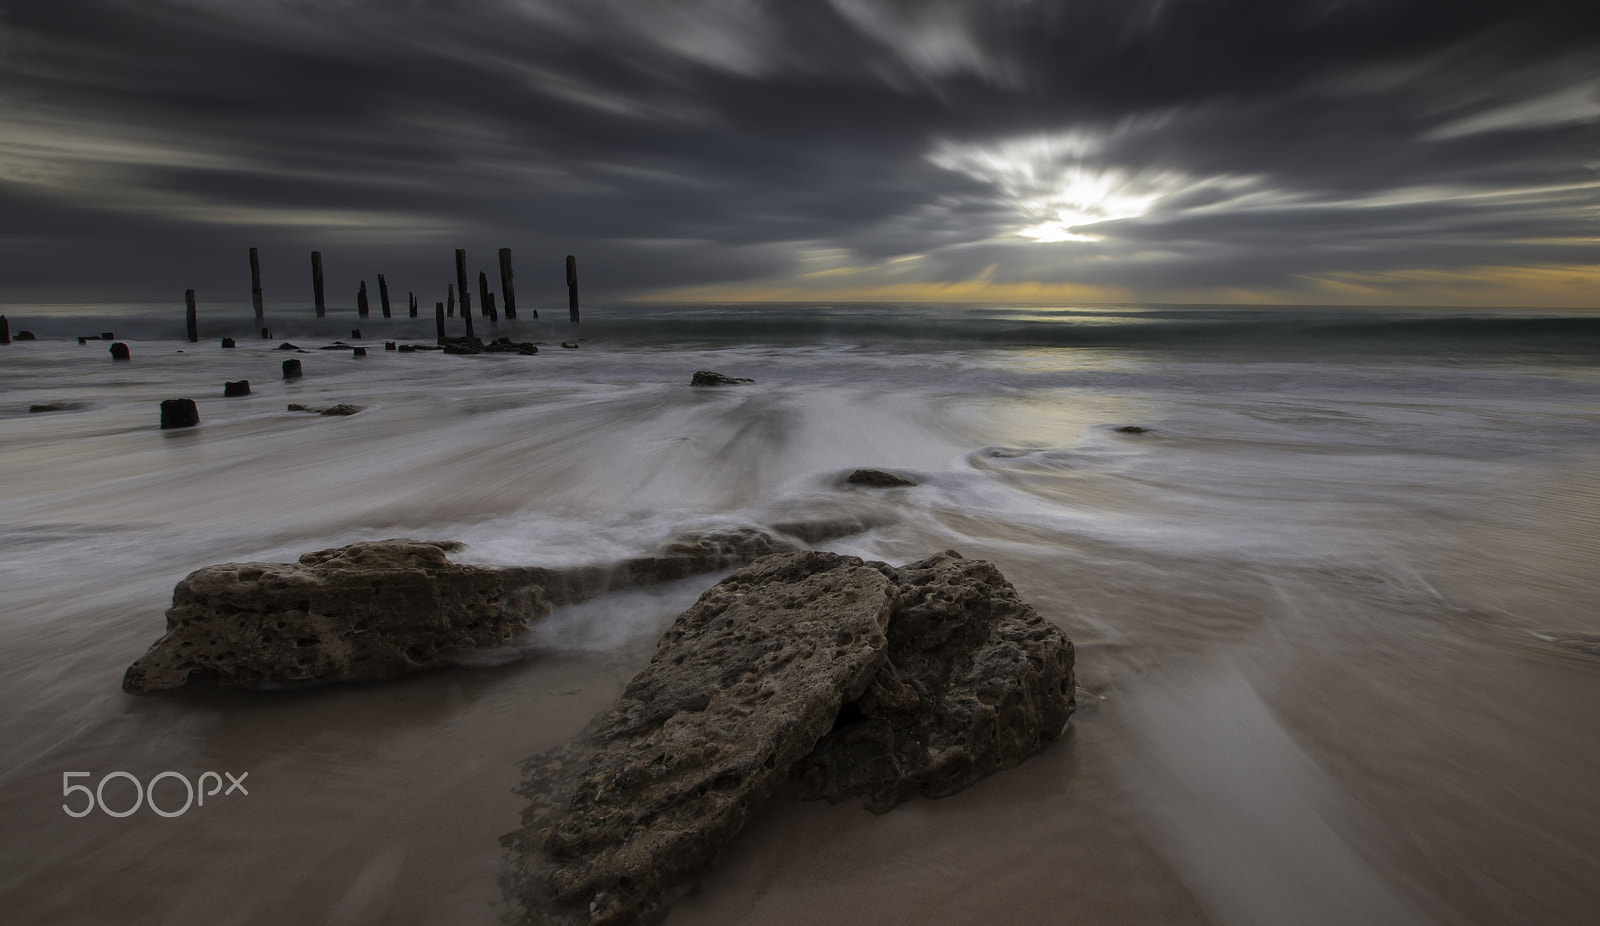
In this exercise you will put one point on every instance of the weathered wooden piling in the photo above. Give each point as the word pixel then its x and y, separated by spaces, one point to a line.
pixel 230 390
pixel 291 369
pixel 486 297
pixel 355 334
pixel 438 318
pixel 316 283
pixel 450 304
pixel 466 316
pixel 461 281
pixel 5 330
pixel 383 295
pixel 255 287
pixel 361 300
pixel 266 334
pixel 572 288
pixel 229 342
pixel 412 302
pixel 191 317
pixel 119 351
pixel 508 294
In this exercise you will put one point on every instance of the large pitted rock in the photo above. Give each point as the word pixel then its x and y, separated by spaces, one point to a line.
pixel 368 610
pixel 858 679
pixel 741 687
pixel 976 681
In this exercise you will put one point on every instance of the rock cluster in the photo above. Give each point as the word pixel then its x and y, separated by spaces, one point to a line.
pixel 848 678
pixel 472 345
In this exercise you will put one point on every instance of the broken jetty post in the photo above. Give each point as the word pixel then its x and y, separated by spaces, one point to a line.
pixel 316 284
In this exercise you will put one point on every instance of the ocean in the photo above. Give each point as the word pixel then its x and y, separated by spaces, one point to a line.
pixel 1334 608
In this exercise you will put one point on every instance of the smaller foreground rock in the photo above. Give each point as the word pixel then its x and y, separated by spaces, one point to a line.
pixel 367 610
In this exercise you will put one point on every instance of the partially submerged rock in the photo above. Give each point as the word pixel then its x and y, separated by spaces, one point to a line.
pixel 43 407
pixel 681 557
pixel 855 678
pixel 335 603
pixel 343 409
pixel 713 378
pixel 877 479
pixel 367 610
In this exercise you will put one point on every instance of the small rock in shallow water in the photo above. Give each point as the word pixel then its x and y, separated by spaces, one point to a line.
pixel 26 335
pixel 54 407
pixel 713 378
pixel 877 479
pixel 119 351
pixel 1131 429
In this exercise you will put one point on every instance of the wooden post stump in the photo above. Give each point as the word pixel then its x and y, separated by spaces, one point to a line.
pixel 484 297
pixel 412 302
pixel 291 369
pixel 461 281
pixel 450 301
pixel 316 283
pixel 179 413
pixel 191 317
pixel 5 330
pixel 119 351
pixel 572 289
pixel 508 294
pixel 361 300
pixel 383 295
pixel 438 318
pixel 255 287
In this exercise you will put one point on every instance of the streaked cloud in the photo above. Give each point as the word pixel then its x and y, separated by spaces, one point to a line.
pixel 1248 150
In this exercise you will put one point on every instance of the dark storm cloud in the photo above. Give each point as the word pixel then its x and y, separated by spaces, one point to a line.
pixel 1149 146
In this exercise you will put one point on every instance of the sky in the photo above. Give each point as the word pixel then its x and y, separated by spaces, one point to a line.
pixel 1409 152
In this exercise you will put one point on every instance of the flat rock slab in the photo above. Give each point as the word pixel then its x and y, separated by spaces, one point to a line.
pixel 849 679
pixel 367 610
pixel 741 687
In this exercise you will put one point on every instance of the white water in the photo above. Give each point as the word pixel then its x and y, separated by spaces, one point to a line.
pixel 1309 597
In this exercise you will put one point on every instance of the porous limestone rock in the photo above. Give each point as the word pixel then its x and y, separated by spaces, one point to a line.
pixel 367 610
pixel 846 678
pixel 975 682
pixel 741 687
